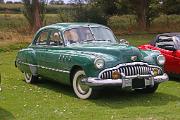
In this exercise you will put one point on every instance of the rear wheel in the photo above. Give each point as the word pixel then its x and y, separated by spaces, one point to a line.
pixel 82 90
pixel 29 78
pixel 148 89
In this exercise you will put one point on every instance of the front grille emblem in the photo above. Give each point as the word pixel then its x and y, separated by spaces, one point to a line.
pixel 133 58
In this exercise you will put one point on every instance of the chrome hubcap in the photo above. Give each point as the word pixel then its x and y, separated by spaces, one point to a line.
pixel 82 88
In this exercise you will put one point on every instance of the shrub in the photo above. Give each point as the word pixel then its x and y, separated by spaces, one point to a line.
pixel 87 13
pixel 166 23
pixel 122 23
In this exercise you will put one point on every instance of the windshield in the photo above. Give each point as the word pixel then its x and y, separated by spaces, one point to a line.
pixel 87 34
pixel 169 40
pixel 178 42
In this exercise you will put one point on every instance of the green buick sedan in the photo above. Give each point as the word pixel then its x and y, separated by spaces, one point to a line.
pixel 88 56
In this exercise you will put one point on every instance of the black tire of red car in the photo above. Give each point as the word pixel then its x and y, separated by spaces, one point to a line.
pixel 82 90
pixel 148 89
pixel 29 78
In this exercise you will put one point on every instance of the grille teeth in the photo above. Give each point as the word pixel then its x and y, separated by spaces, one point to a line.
pixel 130 70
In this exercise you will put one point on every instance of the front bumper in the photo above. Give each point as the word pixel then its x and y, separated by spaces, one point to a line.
pixel 126 81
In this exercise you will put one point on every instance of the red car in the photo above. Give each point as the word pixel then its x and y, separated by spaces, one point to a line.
pixel 169 45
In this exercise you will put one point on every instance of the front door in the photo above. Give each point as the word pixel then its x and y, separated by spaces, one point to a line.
pixel 54 54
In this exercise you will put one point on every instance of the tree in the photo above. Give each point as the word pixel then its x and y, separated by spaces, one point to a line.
pixel 140 9
pixel 171 7
pixel 78 4
pixel 146 11
pixel 87 11
pixel 34 12
pixel 108 6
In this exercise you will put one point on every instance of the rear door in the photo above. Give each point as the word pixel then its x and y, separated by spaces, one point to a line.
pixel 40 47
pixel 51 60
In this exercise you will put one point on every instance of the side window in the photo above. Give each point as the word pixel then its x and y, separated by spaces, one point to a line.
pixel 164 41
pixel 71 35
pixel 43 38
pixel 55 39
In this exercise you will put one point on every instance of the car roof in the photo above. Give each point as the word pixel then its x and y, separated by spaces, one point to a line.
pixel 64 26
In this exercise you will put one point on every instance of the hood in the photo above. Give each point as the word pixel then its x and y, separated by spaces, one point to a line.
pixel 122 53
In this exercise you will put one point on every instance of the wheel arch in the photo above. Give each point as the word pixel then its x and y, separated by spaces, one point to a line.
pixel 73 70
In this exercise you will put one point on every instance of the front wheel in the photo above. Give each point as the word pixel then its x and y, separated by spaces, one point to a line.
pixel 148 89
pixel 82 90
pixel 29 78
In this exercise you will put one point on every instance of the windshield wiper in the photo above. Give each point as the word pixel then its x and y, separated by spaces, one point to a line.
pixel 90 40
pixel 103 40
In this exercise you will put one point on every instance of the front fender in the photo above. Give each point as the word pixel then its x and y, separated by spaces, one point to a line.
pixel 150 56
pixel 86 61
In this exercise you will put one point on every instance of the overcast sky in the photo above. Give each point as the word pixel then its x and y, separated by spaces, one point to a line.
pixel 20 0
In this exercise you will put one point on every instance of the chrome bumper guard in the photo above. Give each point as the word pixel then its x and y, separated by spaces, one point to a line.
pixel 125 81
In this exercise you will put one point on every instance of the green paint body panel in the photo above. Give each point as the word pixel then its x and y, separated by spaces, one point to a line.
pixel 49 59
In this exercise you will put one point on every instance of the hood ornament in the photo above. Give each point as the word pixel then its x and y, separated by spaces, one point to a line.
pixel 133 58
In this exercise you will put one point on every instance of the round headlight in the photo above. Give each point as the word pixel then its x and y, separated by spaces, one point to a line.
pixel 161 60
pixel 99 63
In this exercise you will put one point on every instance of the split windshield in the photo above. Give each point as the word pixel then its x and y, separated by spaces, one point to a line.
pixel 87 34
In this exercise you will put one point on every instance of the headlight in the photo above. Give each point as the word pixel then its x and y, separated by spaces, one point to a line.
pixel 161 60
pixel 99 63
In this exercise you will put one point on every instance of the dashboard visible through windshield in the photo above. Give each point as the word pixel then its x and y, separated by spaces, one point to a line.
pixel 88 34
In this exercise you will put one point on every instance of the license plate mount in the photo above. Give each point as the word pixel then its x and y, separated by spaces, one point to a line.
pixel 138 83
pixel 127 83
pixel 149 82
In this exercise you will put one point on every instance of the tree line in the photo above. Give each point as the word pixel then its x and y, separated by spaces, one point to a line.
pixel 100 10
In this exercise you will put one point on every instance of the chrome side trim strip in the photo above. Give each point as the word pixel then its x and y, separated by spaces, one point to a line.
pixel 57 70
pixel 43 67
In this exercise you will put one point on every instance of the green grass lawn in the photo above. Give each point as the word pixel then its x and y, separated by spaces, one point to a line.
pixel 137 40
pixel 53 101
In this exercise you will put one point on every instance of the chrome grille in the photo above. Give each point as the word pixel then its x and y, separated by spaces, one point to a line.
pixel 130 70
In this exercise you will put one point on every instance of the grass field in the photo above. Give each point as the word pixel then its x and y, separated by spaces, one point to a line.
pixel 48 100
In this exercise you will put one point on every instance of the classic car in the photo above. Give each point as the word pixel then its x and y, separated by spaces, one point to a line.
pixel 169 45
pixel 88 56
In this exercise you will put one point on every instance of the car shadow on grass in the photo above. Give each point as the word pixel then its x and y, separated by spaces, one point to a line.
pixel 6 115
pixel 114 97
pixel 55 86
pixel 174 78
pixel 117 98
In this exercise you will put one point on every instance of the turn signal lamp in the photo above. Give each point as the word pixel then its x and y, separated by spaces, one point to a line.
pixel 155 72
pixel 116 75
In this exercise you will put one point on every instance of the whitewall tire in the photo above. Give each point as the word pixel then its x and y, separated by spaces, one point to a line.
pixel 29 78
pixel 82 90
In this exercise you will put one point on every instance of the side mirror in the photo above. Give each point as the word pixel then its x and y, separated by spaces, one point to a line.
pixel 171 48
pixel 123 41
